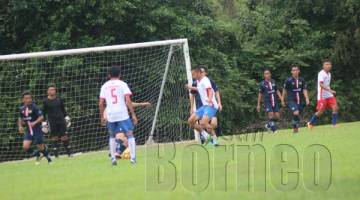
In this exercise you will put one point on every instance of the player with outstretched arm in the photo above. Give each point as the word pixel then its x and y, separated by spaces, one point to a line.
pixel 31 117
pixel 57 121
pixel 325 95
pixel 269 90
pixel 116 94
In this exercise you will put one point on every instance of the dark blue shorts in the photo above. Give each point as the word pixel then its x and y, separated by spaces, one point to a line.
pixel 270 108
pixel 295 107
pixel 124 126
pixel 35 135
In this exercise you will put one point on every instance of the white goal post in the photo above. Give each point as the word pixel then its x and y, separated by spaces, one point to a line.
pixel 156 71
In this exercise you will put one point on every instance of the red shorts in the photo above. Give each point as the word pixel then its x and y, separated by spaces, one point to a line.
pixel 328 103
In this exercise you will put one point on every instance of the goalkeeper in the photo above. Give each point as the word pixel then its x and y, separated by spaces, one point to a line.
pixel 57 121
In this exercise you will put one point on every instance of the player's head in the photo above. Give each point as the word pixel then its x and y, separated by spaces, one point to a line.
pixel 197 73
pixel 203 69
pixel 267 74
pixel 327 65
pixel 26 98
pixel 115 72
pixel 51 91
pixel 295 70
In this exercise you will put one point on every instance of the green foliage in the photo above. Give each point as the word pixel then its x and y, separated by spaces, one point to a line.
pixel 235 38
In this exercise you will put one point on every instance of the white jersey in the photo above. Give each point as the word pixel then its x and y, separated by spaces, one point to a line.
pixel 114 92
pixel 202 86
pixel 325 78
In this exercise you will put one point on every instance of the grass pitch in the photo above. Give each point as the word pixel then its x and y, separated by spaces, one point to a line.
pixel 318 164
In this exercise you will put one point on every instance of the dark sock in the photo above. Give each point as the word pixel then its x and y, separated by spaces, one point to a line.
pixel 67 147
pixel 33 153
pixel 313 119
pixel 56 147
pixel 45 152
pixel 272 124
pixel 296 121
pixel 334 118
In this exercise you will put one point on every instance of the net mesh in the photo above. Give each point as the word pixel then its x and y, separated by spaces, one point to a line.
pixel 78 79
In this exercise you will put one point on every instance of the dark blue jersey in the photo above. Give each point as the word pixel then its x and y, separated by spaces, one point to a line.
pixel 268 89
pixel 30 113
pixel 295 88
pixel 198 101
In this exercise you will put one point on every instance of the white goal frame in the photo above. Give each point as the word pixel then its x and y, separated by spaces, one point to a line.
pixel 183 42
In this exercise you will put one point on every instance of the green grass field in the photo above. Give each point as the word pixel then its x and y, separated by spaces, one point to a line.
pixel 90 176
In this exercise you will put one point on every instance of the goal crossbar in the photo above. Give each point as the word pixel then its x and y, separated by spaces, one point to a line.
pixel 91 50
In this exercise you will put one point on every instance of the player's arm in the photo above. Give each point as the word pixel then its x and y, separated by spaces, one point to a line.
pixel 45 109
pixel 141 104
pixel 20 123
pixel 191 87
pixel 62 106
pixel 283 97
pixel 326 88
pixel 102 109
pixel 279 94
pixel 259 101
pixel 210 93
pixel 129 104
pixel 40 117
pixel 306 95
pixel 218 99
pixel 192 103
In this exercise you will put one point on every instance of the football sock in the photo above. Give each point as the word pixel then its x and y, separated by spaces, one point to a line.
pixel 112 147
pixel 313 119
pixel 45 152
pixel 272 125
pixel 67 147
pixel 132 146
pixel 56 147
pixel 334 119
pixel 296 121
pixel 205 134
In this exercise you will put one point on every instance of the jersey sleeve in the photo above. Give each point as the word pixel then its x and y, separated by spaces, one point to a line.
pixel 261 88
pixel 321 77
pixel 127 91
pixel 102 93
pixel 214 86
pixel 62 106
pixel 287 84
pixel 37 111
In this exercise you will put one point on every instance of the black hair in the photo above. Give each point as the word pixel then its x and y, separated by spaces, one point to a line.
pixel 267 69
pixel 51 85
pixel 326 60
pixel 295 66
pixel 115 71
pixel 25 93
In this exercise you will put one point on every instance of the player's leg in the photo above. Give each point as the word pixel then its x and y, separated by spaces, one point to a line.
pixel 55 139
pixel 194 118
pixel 295 109
pixel 114 140
pixel 27 145
pixel 321 108
pixel 335 109
pixel 129 129
pixel 272 120
pixel 65 138
pixel 209 113
pixel 39 141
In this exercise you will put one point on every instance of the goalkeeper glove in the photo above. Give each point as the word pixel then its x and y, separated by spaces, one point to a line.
pixel 44 127
pixel 67 121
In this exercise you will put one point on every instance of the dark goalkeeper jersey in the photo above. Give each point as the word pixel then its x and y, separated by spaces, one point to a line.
pixel 54 109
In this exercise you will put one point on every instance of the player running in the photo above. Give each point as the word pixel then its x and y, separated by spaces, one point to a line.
pixel 31 117
pixel 116 94
pixel 269 90
pixel 295 90
pixel 209 106
pixel 57 121
pixel 326 96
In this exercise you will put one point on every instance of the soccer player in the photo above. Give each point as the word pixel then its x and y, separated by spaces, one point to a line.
pixel 209 106
pixel 31 117
pixel 268 89
pixel 195 100
pixel 116 94
pixel 295 90
pixel 326 96
pixel 58 121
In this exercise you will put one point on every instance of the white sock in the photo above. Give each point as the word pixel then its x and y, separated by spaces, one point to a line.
pixel 205 134
pixel 132 146
pixel 112 147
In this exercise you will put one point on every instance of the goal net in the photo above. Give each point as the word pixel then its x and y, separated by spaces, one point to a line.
pixel 156 72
